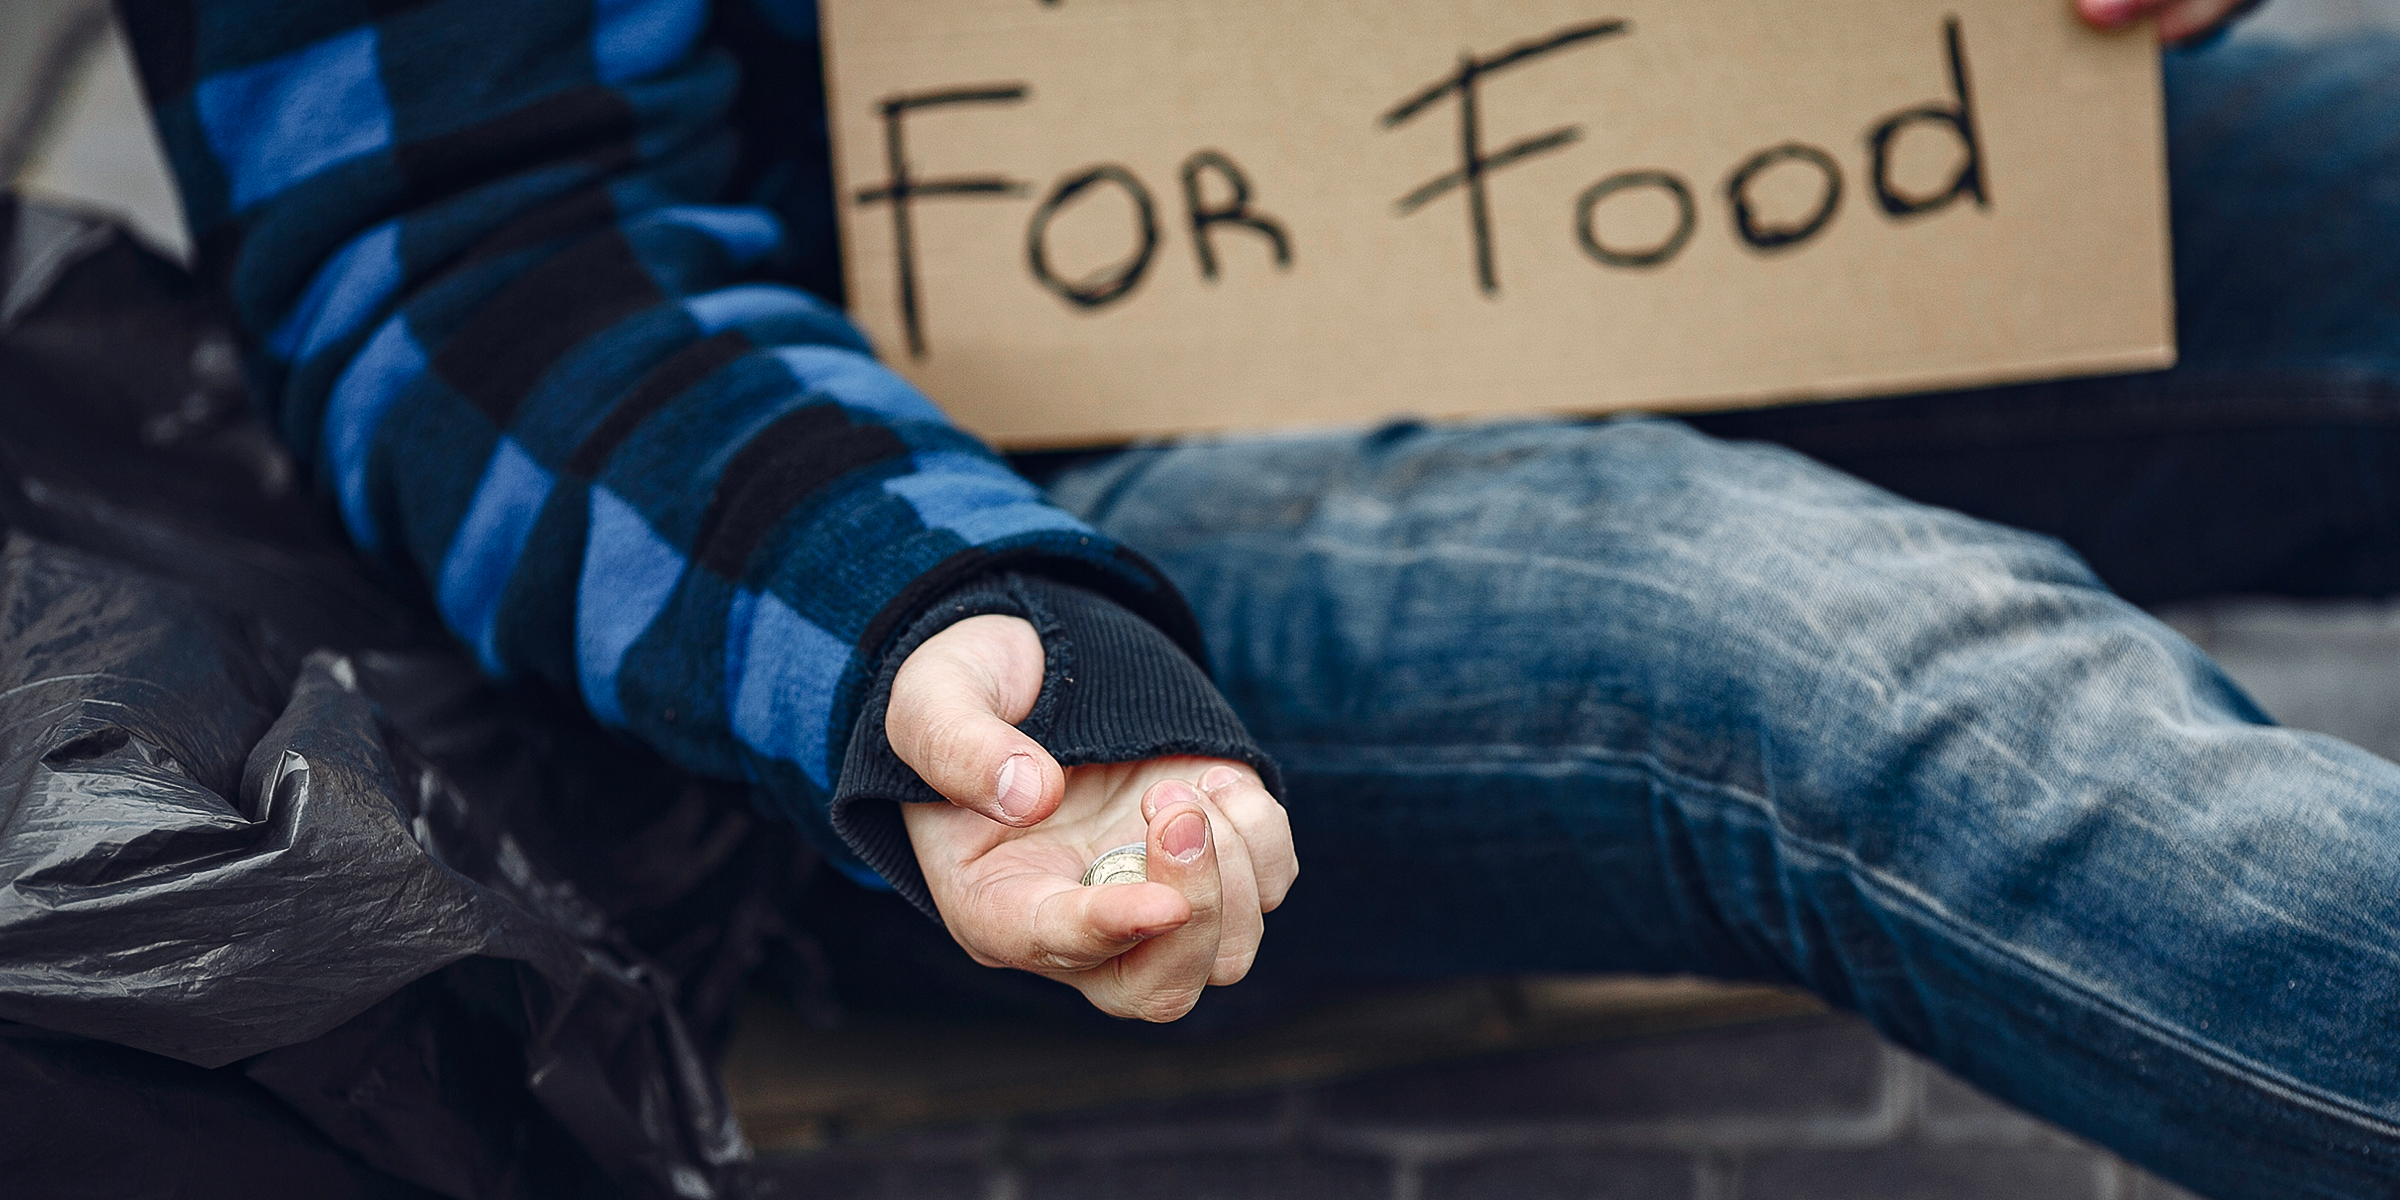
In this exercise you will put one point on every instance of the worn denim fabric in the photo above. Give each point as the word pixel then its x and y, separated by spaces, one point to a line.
pixel 1619 695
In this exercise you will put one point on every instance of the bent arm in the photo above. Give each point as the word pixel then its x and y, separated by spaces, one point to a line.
pixel 493 301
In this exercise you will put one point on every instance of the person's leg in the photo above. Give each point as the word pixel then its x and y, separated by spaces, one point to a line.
pixel 1616 697
pixel 2269 461
pixel 2265 463
pixel 1620 696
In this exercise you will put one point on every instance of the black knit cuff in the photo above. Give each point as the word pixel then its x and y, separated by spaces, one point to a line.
pixel 1114 689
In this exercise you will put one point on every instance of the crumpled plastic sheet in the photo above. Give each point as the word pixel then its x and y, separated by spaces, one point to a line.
pixel 289 895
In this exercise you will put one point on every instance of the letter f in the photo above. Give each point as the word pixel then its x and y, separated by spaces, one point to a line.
pixel 904 188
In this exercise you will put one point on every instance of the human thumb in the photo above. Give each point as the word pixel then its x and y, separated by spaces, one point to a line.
pixel 2110 14
pixel 953 714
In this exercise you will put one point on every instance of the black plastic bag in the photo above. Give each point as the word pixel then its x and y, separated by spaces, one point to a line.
pixel 290 897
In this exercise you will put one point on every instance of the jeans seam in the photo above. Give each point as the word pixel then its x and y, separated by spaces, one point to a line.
pixel 1905 900
pixel 2214 1056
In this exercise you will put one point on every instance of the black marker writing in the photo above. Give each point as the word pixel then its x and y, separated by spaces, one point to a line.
pixel 1687 218
pixel 1772 238
pixel 1959 117
pixel 1474 164
pixel 1108 284
pixel 904 188
pixel 1235 211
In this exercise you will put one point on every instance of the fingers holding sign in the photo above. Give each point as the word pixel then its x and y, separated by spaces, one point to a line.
pixel 2178 20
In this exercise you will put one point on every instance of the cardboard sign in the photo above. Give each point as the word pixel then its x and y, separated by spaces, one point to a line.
pixel 1075 221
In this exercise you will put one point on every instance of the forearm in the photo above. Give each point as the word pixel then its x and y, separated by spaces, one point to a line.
pixel 491 302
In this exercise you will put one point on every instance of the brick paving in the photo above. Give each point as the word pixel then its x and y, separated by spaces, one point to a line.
pixel 1802 1110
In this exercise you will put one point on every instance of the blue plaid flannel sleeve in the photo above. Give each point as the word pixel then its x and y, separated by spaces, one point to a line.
pixel 494 299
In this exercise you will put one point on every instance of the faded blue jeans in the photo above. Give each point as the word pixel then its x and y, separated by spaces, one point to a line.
pixel 1619 695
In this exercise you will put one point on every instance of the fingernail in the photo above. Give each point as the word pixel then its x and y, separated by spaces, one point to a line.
pixel 1217 779
pixel 2108 12
pixel 1017 794
pixel 1185 837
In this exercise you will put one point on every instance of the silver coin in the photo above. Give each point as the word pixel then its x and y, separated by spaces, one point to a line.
pixel 1125 864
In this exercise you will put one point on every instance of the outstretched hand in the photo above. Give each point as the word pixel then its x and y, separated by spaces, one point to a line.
pixel 2178 20
pixel 1004 860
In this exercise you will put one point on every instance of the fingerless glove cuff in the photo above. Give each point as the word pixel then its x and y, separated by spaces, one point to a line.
pixel 1114 689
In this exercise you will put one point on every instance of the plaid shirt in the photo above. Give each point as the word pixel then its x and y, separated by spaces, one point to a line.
pixel 497 301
